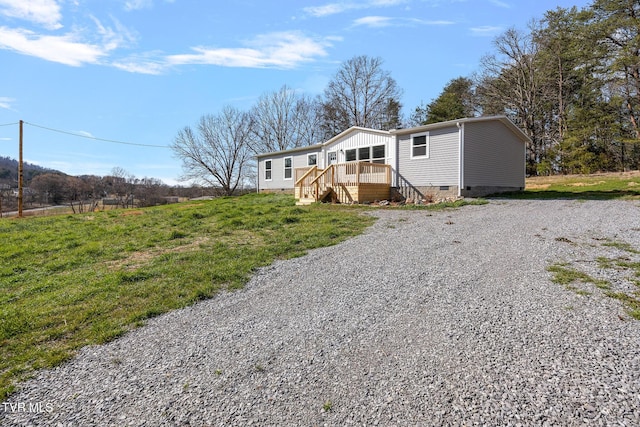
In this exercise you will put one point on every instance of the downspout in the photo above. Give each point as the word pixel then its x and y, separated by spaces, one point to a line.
pixel 396 160
pixel 258 176
pixel 460 157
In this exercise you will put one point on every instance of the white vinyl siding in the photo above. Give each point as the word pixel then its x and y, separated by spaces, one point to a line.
pixel 347 146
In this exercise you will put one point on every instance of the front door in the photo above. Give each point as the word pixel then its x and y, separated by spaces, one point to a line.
pixel 332 157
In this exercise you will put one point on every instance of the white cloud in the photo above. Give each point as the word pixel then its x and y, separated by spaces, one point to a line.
pixel 485 31
pixel 335 8
pixel 373 21
pixel 65 49
pixel 273 50
pixel 500 3
pixel 6 102
pixel 141 65
pixel 113 39
pixel 130 5
pixel 279 50
pixel 328 9
pixel 43 12
pixel 72 48
pixel 84 133
pixel 384 21
pixel 137 4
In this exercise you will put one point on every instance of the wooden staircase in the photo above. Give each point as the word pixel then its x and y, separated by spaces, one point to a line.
pixel 353 182
pixel 313 185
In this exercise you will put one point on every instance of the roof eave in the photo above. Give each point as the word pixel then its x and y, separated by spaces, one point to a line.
pixel 504 119
pixel 291 150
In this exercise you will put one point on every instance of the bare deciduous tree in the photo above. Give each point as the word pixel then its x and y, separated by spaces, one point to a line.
pixel 79 195
pixel 510 83
pixel 51 187
pixel 284 120
pixel 122 185
pixel 149 191
pixel 217 151
pixel 361 94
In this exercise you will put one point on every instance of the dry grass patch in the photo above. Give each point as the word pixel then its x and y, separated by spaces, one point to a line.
pixel 600 186
pixel 139 259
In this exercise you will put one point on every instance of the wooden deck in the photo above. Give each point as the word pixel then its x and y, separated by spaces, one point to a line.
pixel 353 182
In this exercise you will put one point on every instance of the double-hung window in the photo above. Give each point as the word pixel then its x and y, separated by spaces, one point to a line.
pixel 420 145
pixel 288 167
pixel 267 170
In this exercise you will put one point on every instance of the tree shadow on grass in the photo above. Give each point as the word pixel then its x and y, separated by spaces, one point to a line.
pixel 570 195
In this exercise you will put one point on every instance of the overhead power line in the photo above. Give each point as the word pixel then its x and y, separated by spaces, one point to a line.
pixel 10 124
pixel 93 137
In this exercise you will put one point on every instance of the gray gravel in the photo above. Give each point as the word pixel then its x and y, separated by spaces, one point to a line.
pixel 443 318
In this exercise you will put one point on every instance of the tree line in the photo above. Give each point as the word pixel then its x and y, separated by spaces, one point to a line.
pixel 570 81
pixel 46 187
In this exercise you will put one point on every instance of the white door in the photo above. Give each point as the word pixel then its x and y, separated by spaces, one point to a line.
pixel 332 157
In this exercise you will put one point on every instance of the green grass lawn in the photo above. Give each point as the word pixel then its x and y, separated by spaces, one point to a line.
pixel 586 187
pixel 70 281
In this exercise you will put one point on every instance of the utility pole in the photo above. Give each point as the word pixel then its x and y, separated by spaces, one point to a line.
pixel 20 175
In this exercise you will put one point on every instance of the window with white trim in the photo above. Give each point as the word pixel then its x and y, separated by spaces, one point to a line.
pixel 420 145
pixel 267 170
pixel 288 167
pixel 364 153
pixel 373 154
pixel 378 154
pixel 350 155
pixel 312 159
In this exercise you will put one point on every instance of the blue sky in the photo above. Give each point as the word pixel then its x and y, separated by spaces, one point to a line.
pixel 138 71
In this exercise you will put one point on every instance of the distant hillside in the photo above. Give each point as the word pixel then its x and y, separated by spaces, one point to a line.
pixel 9 171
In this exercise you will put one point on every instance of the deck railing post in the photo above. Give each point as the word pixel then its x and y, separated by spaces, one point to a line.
pixel 333 176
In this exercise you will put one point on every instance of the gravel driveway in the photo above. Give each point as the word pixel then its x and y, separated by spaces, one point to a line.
pixel 429 318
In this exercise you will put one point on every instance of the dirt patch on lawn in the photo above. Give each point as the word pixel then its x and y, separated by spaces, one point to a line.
pixel 538 186
pixel 138 259
pixel 585 184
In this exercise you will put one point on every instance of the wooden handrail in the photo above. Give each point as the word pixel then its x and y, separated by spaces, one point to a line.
pixel 356 173
pixel 307 173
pixel 315 182
pixel 322 174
